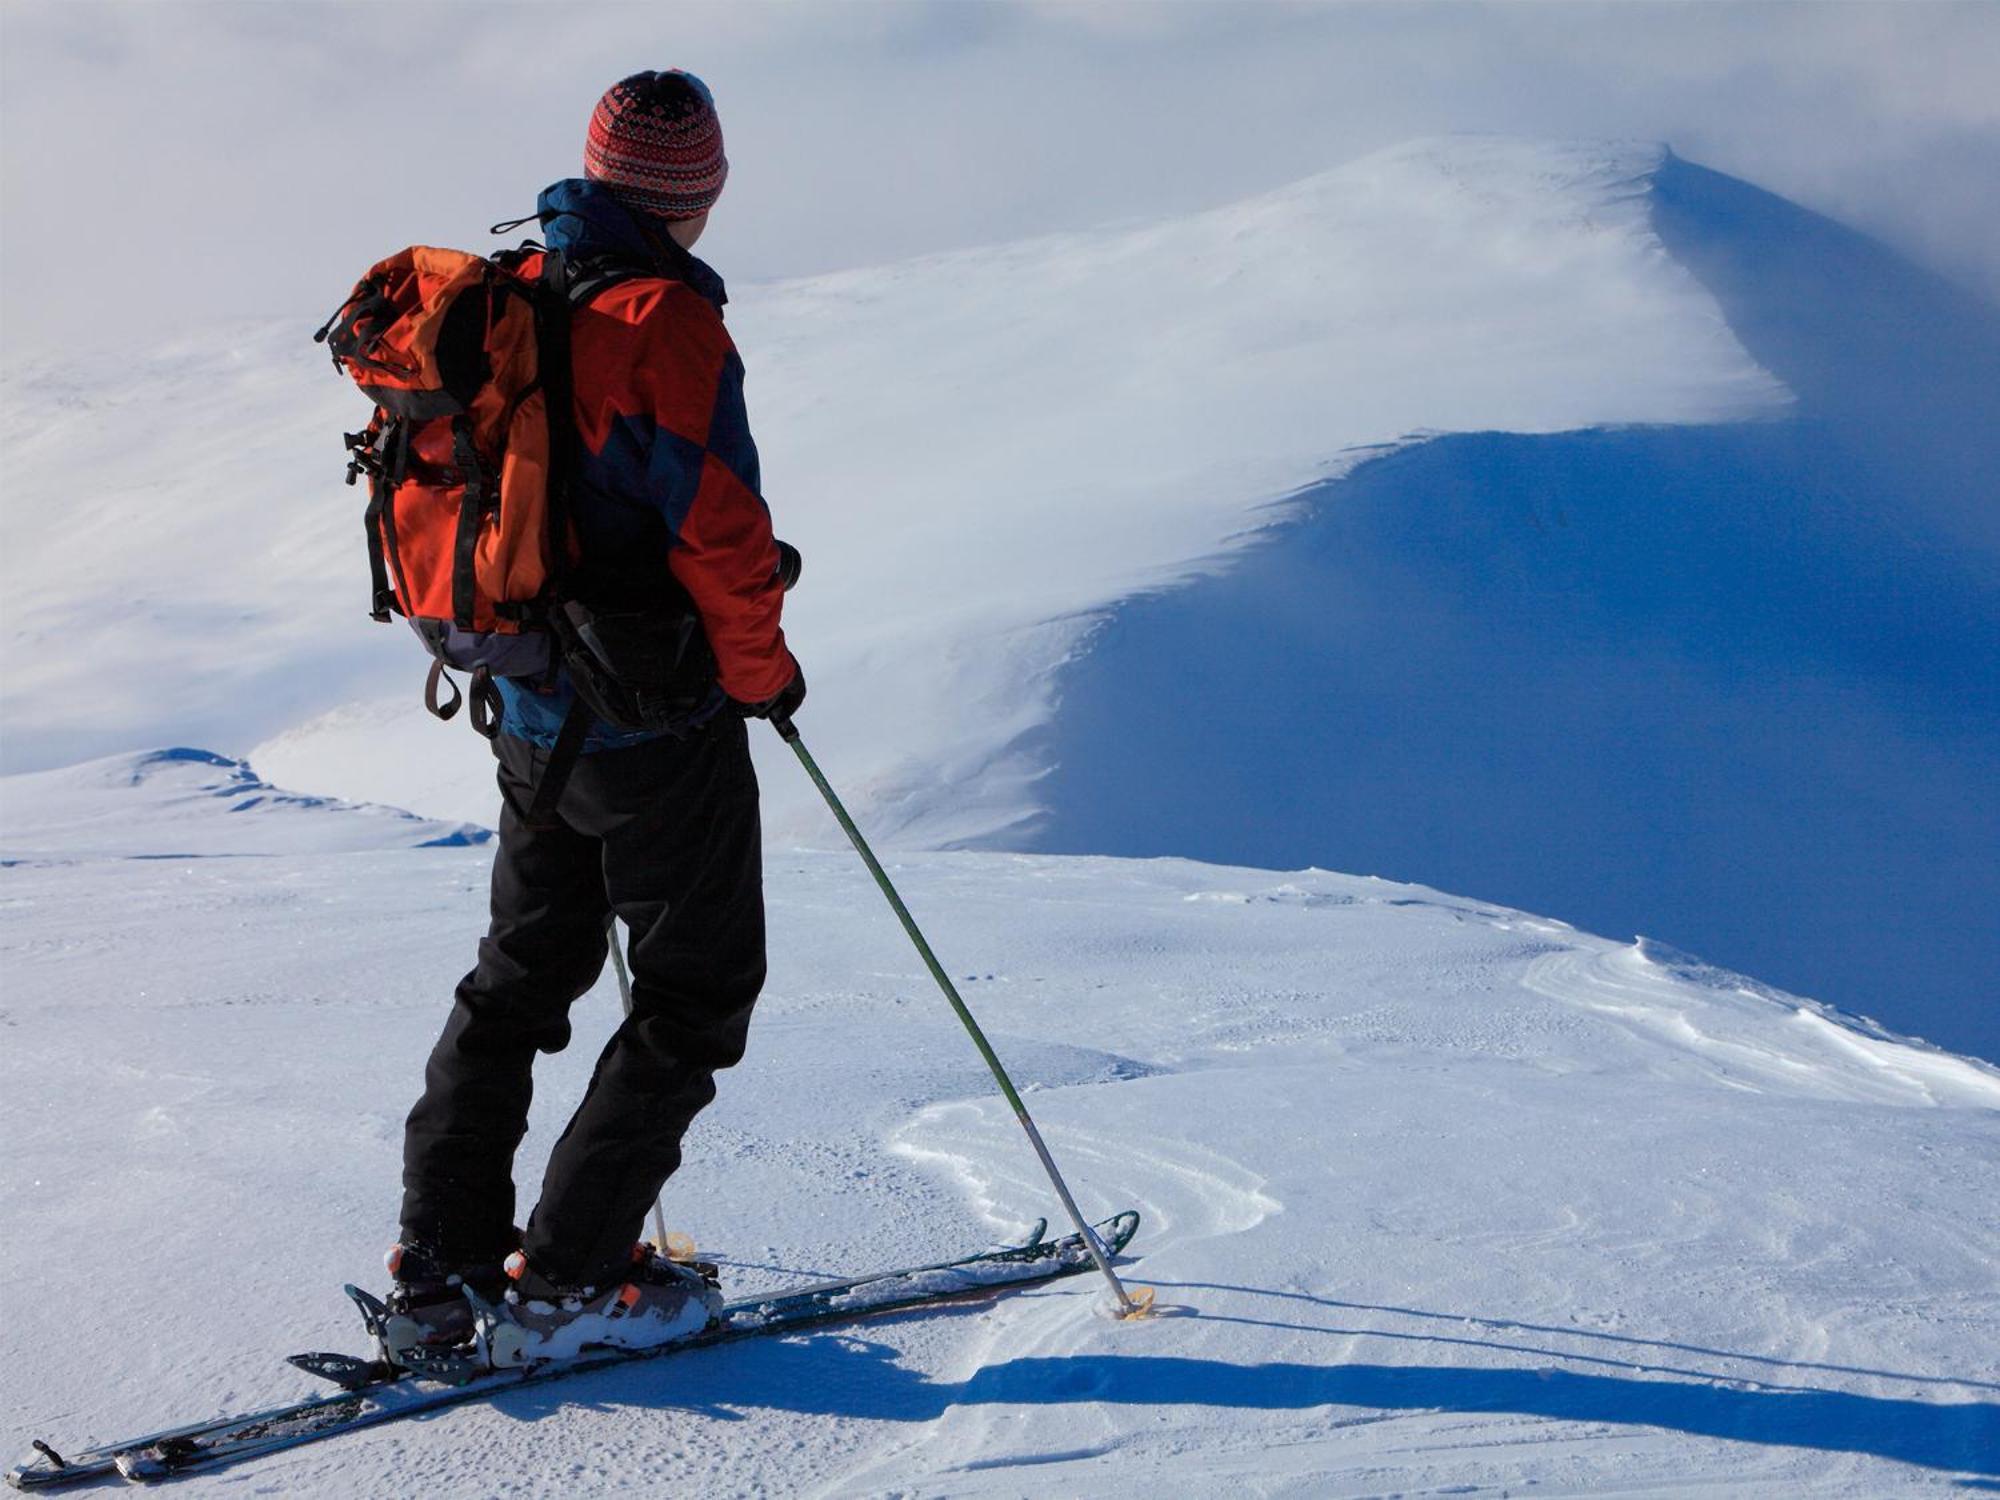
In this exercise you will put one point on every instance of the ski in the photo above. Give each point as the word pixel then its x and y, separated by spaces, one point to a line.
pixel 376 1394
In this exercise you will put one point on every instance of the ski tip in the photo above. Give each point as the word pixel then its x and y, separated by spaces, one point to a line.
pixel 44 1466
pixel 1119 1230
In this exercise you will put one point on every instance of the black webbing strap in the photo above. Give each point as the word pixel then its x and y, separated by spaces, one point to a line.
pixel 393 463
pixel 552 356
pixel 562 760
pixel 437 675
pixel 561 292
pixel 381 598
pixel 472 508
pixel 487 704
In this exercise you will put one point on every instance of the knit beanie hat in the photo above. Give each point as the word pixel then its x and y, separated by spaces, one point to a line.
pixel 656 143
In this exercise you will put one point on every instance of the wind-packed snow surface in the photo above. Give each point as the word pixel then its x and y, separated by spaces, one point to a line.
pixel 1439 1197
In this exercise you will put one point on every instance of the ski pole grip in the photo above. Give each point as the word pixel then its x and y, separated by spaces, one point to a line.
pixel 787 730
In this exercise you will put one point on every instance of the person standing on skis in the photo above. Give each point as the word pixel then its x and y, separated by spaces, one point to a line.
pixel 659 828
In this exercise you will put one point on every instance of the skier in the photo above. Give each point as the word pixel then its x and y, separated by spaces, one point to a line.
pixel 659 828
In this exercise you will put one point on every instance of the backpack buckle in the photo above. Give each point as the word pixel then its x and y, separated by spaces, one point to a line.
pixel 362 456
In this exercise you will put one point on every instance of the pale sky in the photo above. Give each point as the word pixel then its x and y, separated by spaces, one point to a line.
pixel 169 164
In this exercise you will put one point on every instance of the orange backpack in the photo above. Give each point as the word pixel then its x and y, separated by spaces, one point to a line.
pixel 465 358
pixel 469 457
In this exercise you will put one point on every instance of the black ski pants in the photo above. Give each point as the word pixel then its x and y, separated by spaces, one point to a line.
pixel 665 834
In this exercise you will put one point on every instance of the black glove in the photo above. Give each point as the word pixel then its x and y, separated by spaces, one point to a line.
pixel 782 705
pixel 790 564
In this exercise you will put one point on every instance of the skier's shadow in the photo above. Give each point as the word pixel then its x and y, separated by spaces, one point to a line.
pixel 841 1374
pixel 1651 1354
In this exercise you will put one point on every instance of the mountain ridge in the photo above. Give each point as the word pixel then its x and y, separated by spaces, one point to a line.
pixel 977 452
pixel 1731 684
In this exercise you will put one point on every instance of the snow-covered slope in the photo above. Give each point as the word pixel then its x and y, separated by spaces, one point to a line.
pixel 975 450
pixel 1443 1197
pixel 1753 662
pixel 197 805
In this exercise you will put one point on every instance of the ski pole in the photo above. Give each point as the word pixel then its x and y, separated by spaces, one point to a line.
pixel 1128 1305
pixel 625 994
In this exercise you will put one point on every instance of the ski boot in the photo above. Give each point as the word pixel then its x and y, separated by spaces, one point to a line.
pixel 651 1302
pixel 427 1325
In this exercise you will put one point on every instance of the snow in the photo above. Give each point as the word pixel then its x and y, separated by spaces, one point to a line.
pixel 976 452
pixel 1437 1194
pixel 199 805
pixel 1725 684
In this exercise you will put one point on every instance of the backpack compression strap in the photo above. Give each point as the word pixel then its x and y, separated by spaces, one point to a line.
pixel 487 704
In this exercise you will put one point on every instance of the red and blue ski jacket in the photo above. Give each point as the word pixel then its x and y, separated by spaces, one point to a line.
pixel 667 473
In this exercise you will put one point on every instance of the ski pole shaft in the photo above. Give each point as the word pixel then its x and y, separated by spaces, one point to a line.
pixel 625 994
pixel 790 734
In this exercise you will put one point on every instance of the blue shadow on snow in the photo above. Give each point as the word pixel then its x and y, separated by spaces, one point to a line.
pixel 855 1377
pixel 1736 686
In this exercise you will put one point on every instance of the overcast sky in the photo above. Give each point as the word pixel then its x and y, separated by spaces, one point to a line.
pixel 167 163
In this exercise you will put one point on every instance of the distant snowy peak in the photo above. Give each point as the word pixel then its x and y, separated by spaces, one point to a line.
pixel 983 450
pixel 159 804
pixel 1573 181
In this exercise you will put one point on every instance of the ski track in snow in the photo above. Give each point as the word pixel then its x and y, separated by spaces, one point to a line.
pixel 1186 1194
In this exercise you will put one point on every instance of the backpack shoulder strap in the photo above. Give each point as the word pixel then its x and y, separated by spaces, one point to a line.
pixel 586 279
pixel 552 310
pixel 566 286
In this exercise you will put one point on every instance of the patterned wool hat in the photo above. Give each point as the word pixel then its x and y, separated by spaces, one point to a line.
pixel 656 143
